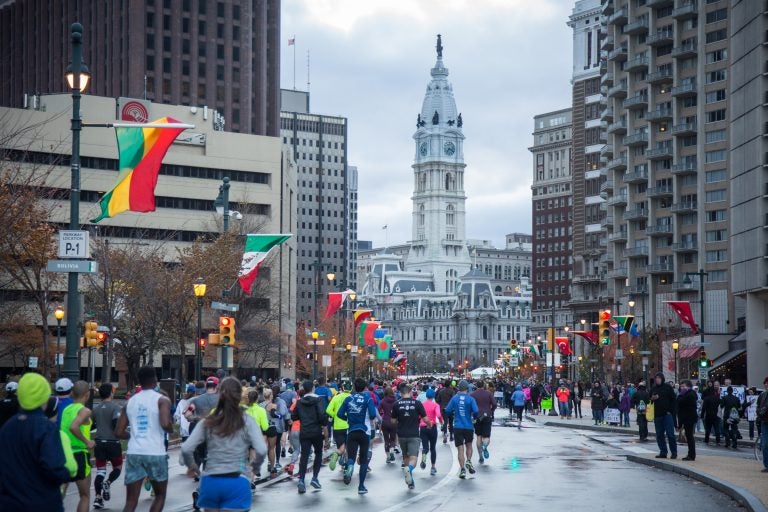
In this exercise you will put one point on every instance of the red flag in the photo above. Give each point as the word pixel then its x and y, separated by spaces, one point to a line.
pixel 360 315
pixel 369 333
pixel 335 300
pixel 563 345
pixel 683 310
pixel 590 336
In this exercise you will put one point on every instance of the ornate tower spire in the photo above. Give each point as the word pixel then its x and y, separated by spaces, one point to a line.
pixel 439 47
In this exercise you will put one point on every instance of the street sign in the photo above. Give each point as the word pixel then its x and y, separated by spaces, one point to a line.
pixel 619 354
pixel 221 306
pixel 73 244
pixel 703 373
pixel 326 361
pixel 319 342
pixel 32 361
pixel 77 266
pixel 514 361
pixel 59 358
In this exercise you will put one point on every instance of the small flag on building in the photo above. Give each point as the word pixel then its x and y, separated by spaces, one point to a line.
pixel 336 300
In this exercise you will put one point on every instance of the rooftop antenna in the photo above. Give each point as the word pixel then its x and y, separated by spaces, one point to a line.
pixel 307 70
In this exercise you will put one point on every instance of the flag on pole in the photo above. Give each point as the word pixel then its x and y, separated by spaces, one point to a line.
pixel 563 345
pixel 625 321
pixel 257 248
pixel 141 149
pixel 617 327
pixel 590 336
pixel 683 310
pixel 633 331
pixel 367 332
pixel 383 347
pixel 535 349
pixel 292 41
pixel 361 314
pixel 336 300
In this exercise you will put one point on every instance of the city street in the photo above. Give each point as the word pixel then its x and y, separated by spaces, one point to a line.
pixel 527 469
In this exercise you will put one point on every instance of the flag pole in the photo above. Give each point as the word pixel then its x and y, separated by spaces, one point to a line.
pixel 294 62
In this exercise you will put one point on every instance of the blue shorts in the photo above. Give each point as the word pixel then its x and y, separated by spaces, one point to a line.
pixel 224 492
pixel 138 467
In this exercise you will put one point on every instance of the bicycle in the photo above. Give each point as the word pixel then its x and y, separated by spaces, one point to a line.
pixel 759 447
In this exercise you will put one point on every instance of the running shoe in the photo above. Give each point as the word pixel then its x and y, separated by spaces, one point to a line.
pixel 423 464
pixel 315 483
pixel 290 450
pixel 301 487
pixel 105 491
pixel 195 495
pixel 391 458
pixel 348 473
pixel 147 484
pixel 445 439
pixel 482 460
pixel 463 473
pixel 486 455
pixel 408 477
pixel 433 471
pixel 98 503
pixel 451 437
pixel 397 450
pixel 332 460
pixel 470 467
pixel 282 452
pixel 362 490
pixel 289 468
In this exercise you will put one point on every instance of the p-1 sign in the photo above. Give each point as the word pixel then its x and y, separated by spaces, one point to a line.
pixel 73 244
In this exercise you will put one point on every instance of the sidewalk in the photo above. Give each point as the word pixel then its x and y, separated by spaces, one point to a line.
pixel 586 423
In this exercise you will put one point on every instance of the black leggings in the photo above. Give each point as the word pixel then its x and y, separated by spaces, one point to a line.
pixel 577 408
pixel 357 439
pixel 429 442
pixel 447 421
pixel 390 435
pixel 308 444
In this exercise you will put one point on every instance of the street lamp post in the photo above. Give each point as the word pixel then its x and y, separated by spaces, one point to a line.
pixel 58 313
pixel 315 336
pixel 77 76
pixel 675 348
pixel 199 288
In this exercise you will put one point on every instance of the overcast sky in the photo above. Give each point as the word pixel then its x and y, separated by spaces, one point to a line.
pixel 370 59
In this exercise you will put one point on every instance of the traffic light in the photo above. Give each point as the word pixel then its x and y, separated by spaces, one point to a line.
pixel 703 361
pixel 513 347
pixel 605 327
pixel 227 330
pixel 201 342
pixel 309 356
pixel 91 334
pixel 102 338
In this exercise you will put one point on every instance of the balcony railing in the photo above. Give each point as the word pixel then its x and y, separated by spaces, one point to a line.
pixel 660 114
pixel 619 17
pixel 660 268
pixel 659 76
pixel 618 54
pixel 663 191
pixel 659 153
pixel 688 167
pixel 660 37
pixel 619 236
pixel 618 273
pixel 683 129
pixel 683 90
pixel 635 214
pixel 606 186
pixel 635 252
pixel 686 207
pixel 636 63
pixel 636 176
pixel 607 114
pixel 618 127
pixel 687 246
pixel 618 90
pixel 617 200
pixel 606 79
pixel 607 43
pixel 617 164
pixel 636 139
pixel 685 11
pixel 636 27
pixel 684 50
pixel 637 101
pixel 658 230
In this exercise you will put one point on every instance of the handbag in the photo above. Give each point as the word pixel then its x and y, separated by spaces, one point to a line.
pixel 650 410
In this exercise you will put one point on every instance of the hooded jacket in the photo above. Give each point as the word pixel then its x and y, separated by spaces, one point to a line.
pixel 310 412
pixel 686 407
pixel 666 401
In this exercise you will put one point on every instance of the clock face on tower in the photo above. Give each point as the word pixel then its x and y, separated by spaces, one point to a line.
pixel 424 148
pixel 449 148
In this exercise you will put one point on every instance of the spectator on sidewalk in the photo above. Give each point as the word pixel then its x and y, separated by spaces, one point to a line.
pixel 640 400
pixel 625 405
pixel 563 394
pixel 731 407
pixel 762 418
pixel 686 416
pixel 709 408
pixel 750 410
pixel 665 416
pixel 578 396
pixel 598 403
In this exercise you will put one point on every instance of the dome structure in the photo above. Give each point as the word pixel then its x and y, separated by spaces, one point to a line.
pixel 438 111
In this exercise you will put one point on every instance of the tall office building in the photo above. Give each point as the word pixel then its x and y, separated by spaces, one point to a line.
pixel 552 217
pixel 749 181
pixel 352 245
pixel 589 154
pixel 224 54
pixel 667 178
pixel 324 236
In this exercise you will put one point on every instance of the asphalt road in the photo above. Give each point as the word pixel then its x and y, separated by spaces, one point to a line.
pixel 529 469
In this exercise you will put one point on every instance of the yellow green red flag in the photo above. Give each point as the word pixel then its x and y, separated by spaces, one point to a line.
pixel 141 150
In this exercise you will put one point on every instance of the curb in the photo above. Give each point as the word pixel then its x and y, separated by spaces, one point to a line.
pixel 739 494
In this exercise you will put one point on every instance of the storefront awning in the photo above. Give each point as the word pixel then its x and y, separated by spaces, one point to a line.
pixel 687 352
pixel 727 357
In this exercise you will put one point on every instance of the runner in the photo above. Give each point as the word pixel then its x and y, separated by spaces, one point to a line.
pixel 429 434
pixel 259 415
pixel 486 406
pixel 276 411
pixel 199 408
pixel 465 409
pixel 444 395
pixel 293 437
pixel 63 388
pixel 388 427
pixel 339 426
pixel 357 409
pixel 230 434
pixel 149 415
pixel 310 411
pixel 407 412
pixel 518 404
pixel 108 447
pixel 76 423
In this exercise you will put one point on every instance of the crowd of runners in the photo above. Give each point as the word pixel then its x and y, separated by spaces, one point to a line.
pixel 234 435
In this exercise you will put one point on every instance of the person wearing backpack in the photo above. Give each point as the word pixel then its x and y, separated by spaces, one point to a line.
pixel 762 423
pixel 640 401
pixel 731 418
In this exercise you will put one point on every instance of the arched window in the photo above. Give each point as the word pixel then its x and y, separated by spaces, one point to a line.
pixel 450 215
pixel 485 332
pixel 421 215
pixel 449 181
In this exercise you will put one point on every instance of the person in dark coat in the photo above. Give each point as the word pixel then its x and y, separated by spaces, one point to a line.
pixel 731 426
pixel 598 403
pixel 665 416
pixel 686 415
pixel 640 401
pixel 709 406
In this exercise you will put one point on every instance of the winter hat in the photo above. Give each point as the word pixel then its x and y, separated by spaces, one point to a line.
pixel 11 387
pixel 190 388
pixel 63 385
pixel 463 385
pixel 33 391
pixel 347 386
pixel 431 393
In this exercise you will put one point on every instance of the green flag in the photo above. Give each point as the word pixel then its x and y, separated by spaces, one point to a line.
pixel 382 348
pixel 625 321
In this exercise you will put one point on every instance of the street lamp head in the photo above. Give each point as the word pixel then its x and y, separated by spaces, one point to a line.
pixel 631 303
pixel 58 313
pixel 333 341
pixel 352 296
pixel 687 279
pixel 349 347
pixel 315 334
pixel 218 204
pixel 566 328
pixel 331 276
pixel 85 77
pixel 199 287
pixel 583 321
pixel 675 345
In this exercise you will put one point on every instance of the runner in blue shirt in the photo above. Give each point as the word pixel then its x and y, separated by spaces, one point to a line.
pixel 357 410
pixel 465 411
